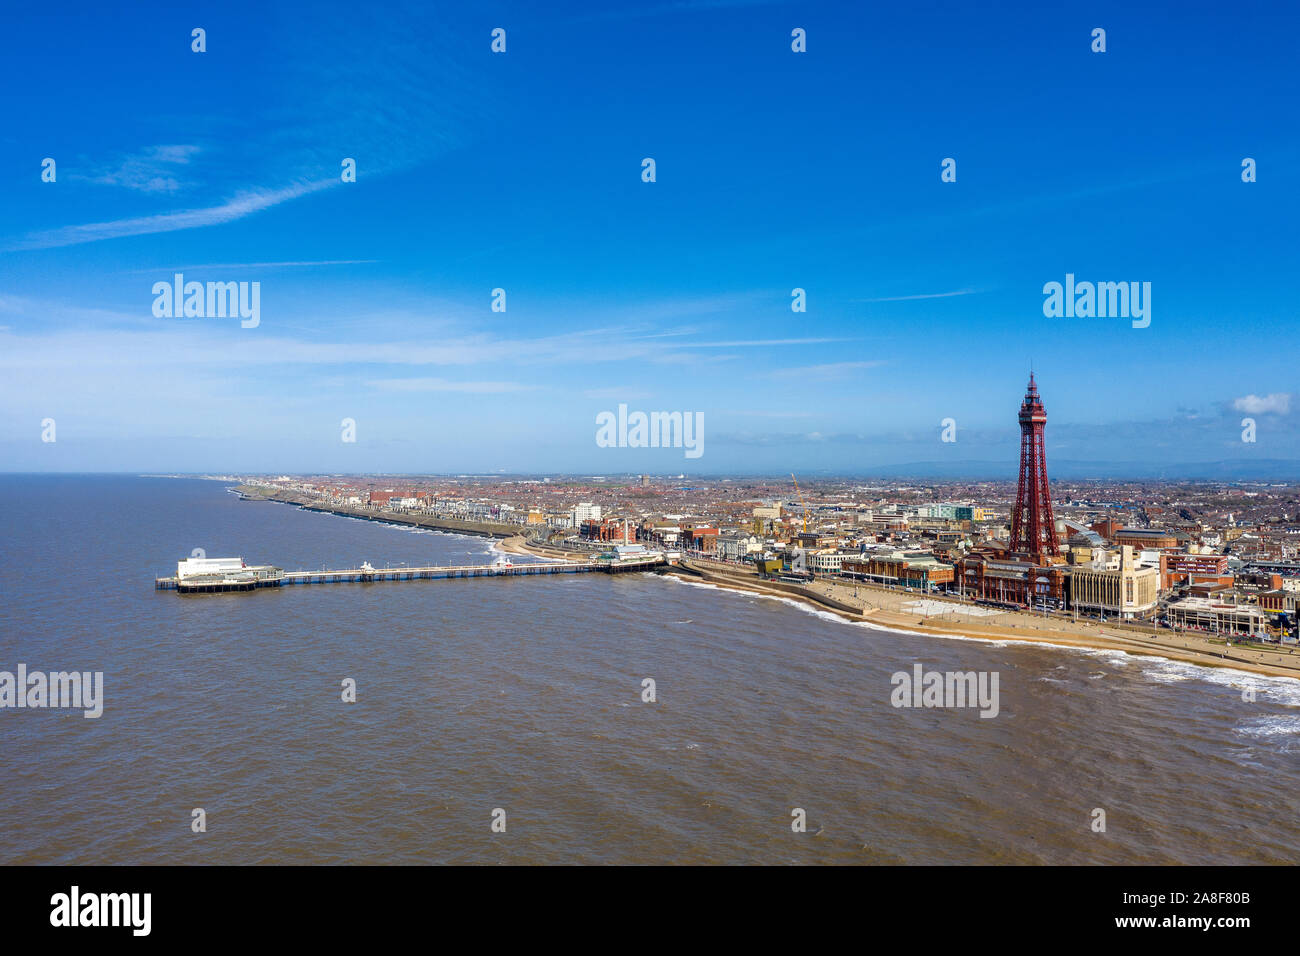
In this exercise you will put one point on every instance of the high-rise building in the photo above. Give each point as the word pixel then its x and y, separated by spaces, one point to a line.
pixel 1033 527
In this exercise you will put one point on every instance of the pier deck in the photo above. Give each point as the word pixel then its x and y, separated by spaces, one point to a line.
pixel 375 575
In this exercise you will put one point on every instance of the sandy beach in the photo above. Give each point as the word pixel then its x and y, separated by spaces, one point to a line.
pixel 929 614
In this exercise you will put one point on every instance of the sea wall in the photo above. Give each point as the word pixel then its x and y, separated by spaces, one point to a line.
pixel 751 582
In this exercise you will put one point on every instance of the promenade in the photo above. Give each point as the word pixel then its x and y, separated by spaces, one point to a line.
pixel 897 609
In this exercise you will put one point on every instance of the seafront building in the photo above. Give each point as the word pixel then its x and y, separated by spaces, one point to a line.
pixel 999 576
pixel 1216 616
pixel 914 569
pixel 1125 591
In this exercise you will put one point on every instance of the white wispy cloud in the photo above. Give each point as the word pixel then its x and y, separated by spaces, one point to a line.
pixel 678 308
pixel 244 204
pixel 447 385
pixel 828 370
pixel 756 343
pixel 254 265
pixel 923 295
pixel 1277 403
pixel 63 336
pixel 412 108
pixel 617 394
pixel 153 170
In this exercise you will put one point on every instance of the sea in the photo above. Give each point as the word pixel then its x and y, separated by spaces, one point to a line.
pixel 507 720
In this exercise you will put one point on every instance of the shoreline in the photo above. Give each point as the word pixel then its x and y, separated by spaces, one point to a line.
pixel 887 610
pixel 480 529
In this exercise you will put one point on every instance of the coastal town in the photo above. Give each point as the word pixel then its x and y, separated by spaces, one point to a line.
pixel 1220 557
pixel 1214 558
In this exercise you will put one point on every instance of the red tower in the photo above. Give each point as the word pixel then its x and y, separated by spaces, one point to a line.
pixel 1033 528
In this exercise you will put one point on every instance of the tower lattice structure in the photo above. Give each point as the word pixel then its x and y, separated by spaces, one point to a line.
pixel 1033 527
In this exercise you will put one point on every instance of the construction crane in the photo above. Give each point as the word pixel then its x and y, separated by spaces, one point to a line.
pixel 801 501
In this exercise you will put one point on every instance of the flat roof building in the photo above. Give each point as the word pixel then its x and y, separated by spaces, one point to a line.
pixel 1126 591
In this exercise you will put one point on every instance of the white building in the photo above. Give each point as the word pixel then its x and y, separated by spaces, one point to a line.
pixel 584 511
pixel 735 547
pixel 826 562
pixel 667 533
pixel 192 566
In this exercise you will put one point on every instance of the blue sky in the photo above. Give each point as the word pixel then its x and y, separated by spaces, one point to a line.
pixel 522 170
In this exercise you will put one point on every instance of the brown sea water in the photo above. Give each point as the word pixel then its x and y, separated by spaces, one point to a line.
pixel 525 695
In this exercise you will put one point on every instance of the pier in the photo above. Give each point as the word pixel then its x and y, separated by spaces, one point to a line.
pixel 249 579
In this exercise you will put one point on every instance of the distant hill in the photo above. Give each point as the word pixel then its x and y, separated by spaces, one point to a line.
pixel 1260 469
